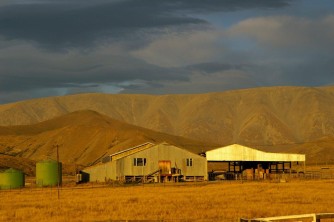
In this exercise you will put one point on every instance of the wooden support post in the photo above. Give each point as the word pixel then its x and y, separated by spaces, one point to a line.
pixel 269 167
pixel 58 171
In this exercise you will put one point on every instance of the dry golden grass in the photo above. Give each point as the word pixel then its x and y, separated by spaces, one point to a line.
pixel 226 201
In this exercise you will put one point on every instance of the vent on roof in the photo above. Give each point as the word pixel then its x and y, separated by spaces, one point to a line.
pixel 106 159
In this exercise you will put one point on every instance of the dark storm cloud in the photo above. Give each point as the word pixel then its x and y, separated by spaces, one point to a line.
pixel 63 25
pixel 79 24
pixel 212 67
pixel 36 74
pixel 312 72
pixel 50 47
pixel 224 5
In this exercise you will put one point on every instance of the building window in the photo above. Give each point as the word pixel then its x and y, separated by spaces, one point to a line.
pixel 189 162
pixel 139 161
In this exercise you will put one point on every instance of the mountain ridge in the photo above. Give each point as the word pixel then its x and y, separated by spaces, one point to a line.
pixel 265 117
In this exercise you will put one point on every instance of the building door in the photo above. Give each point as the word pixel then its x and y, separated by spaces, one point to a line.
pixel 165 167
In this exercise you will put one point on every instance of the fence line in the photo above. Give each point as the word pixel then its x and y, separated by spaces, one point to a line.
pixel 315 217
pixel 307 175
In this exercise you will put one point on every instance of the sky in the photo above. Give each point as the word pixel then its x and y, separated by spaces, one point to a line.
pixel 55 48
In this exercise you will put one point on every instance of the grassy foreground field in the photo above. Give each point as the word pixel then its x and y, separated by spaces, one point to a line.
pixel 226 201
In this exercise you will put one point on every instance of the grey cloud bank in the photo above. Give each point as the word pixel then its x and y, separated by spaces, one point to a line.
pixel 77 24
pixel 59 47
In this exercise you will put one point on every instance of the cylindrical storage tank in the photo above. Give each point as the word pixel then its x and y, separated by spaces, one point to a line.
pixel 11 179
pixel 48 172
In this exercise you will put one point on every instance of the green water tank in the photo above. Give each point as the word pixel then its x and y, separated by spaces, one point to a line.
pixel 11 179
pixel 47 173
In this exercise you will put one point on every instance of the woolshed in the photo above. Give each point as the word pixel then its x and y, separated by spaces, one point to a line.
pixel 150 163
pixel 252 163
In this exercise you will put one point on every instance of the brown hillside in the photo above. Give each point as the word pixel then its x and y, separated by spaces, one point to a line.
pixel 261 117
pixel 83 138
pixel 24 164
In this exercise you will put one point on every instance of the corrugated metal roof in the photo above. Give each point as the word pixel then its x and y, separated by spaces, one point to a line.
pixel 238 152
pixel 131 150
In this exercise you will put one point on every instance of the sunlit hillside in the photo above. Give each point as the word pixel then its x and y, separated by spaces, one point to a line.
pixel 289 119
pixel 260 116
pixel 83 137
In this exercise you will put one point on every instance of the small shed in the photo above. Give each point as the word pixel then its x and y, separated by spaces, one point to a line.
pixel 150 163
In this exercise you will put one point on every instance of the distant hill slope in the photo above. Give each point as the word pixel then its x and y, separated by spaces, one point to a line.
pixel 24 164
pixel 83 138
pixel 265 118
pixel 261 116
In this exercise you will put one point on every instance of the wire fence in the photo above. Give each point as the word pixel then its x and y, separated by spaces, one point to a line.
pixel 69 182
pixel 320 217
pixel 281 176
